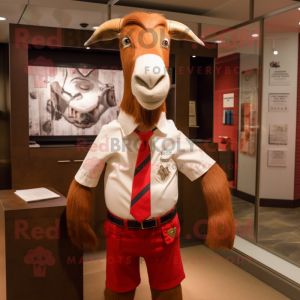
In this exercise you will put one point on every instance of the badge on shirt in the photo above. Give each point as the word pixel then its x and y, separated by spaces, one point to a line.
pixel 165 167
pixel 163 173
pixel 172 232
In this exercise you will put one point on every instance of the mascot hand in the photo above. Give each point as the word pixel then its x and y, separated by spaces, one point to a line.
pixel 221 228
pixel 79 206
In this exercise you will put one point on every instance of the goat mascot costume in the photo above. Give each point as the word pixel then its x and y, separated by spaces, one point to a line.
pixel 141 194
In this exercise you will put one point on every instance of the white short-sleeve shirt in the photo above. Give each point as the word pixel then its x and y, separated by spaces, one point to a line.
pixel 117 146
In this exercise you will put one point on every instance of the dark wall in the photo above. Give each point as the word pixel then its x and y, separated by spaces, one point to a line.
pixel 202 90
pixel 5 162
pixel 78 57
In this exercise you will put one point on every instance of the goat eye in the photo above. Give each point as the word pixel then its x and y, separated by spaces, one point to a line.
pixel 165 43
pixel 126 42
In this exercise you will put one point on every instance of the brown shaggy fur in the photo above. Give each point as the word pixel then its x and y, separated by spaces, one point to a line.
pixel 79 206
pixel 174 294
pixel 145 31
pixel 221 229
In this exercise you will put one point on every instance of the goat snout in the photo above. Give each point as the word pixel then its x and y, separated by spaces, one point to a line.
pixel 149 78
pixel 150 81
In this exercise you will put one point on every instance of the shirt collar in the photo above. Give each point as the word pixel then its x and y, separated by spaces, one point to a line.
pixel 128 125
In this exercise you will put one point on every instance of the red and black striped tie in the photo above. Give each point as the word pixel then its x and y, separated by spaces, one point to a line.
pixel 140 197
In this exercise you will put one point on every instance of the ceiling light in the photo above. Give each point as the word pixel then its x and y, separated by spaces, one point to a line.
pixel 194 56
pixel 219 42
pixel 275 51
pixel 88 48
pixel 95 27
pixel 298 8
pixel 255 35
pixel 2 19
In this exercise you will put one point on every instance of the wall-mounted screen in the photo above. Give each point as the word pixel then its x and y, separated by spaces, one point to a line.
pixel 72 101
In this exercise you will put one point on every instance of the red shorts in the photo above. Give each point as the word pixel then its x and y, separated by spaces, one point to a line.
pixel 161 252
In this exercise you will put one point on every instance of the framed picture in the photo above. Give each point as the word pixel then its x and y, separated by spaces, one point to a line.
pixel 278 134
pixel 277 158
pixel 280 73
pixel 72 101
pixel 279 102
pixel 228 100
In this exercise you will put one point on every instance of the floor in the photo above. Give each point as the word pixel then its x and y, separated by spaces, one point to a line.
pixel 243 212
pixel 279 228
pixel 208 277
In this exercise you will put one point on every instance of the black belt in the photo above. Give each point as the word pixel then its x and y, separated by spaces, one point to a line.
pixel 144 225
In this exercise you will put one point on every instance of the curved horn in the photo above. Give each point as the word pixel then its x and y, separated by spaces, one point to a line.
pixel 179 31
pixel 107 31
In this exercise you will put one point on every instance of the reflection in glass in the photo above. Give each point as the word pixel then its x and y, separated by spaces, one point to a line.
pixel 235 10
pixel 236 91
pixel 266 6
pixel 279 213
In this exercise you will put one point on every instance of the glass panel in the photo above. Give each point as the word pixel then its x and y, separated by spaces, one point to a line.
pixel 208 29
pixel 237 10
pixel 279 213
pixel 266 6
pixel 235 118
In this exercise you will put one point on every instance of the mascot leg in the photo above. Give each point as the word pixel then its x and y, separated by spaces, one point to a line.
pixel 174 294
pixel 111 295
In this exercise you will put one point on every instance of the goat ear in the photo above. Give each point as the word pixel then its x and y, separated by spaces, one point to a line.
pixel 179 31
pixel 107 31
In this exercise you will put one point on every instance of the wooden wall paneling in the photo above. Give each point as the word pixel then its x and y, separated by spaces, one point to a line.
pixel 2 255
pixel 5 148
pixel 35 173
pixel 54 37
pixel 202 91
pixel 19 103
pixel 182 79
pixel 79 57
pixel 63 279
pixel 75 153
pixel 205 96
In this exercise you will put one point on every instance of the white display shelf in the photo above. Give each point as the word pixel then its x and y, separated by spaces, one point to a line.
pixel 268 259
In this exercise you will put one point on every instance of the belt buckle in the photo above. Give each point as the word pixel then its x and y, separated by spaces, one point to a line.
pixel 150 227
